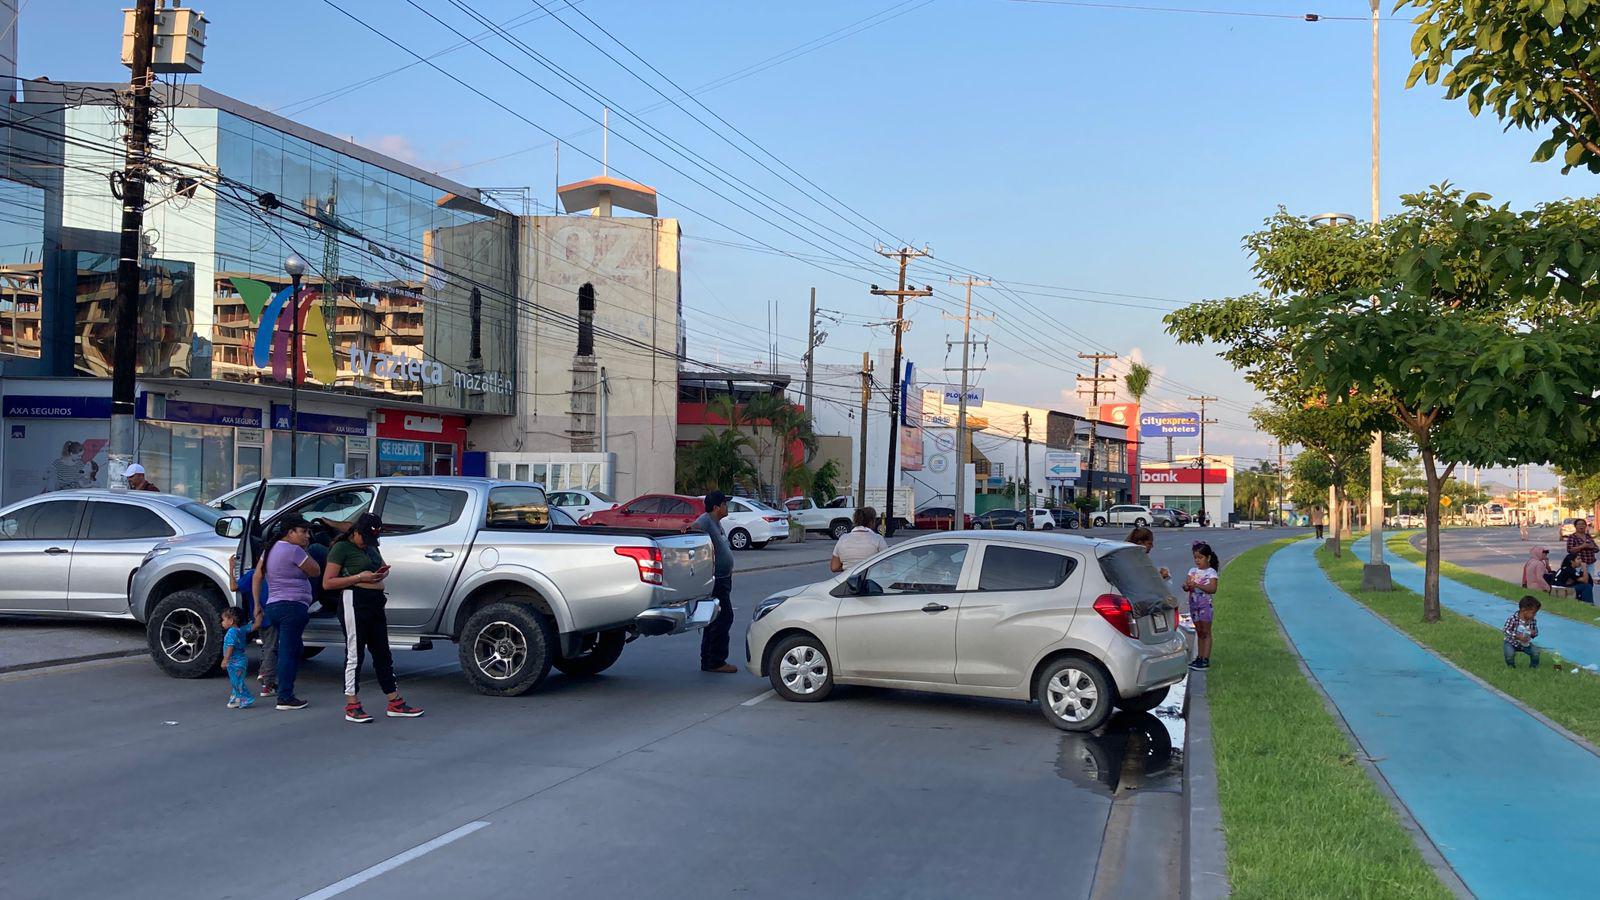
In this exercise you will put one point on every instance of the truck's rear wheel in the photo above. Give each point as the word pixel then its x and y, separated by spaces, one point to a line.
pixel 506 648
pixel 596 654
pixel 185 634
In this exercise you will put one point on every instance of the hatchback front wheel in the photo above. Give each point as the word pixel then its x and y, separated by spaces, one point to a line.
pixel 800 670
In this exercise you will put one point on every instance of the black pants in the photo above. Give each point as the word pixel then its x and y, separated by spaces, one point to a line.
pixel 366 629
pixel 714 640
pixel 1319 532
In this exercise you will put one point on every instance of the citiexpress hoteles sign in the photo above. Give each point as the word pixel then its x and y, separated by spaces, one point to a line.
pixel 1169 424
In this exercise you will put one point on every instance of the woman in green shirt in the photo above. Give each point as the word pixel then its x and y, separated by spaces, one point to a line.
pixel 356 569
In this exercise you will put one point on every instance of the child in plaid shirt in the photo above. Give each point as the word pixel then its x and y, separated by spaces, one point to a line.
pixel 1520 630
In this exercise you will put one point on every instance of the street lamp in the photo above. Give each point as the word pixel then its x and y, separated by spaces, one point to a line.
pixel 296 267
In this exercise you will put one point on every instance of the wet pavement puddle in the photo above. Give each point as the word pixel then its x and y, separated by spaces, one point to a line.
pixel 1133 750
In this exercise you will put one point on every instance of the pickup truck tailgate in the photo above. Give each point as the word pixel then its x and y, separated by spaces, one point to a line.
pixel 688 565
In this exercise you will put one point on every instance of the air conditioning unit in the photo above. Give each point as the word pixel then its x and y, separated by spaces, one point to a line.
pixel 180 41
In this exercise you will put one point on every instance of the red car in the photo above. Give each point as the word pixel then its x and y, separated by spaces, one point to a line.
pixel 939 518
pixel 670 511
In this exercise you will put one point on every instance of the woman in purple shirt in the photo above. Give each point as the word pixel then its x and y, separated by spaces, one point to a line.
pixel 287 569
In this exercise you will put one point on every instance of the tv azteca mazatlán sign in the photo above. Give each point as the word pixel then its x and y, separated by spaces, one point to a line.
pixel 430 372
pixel 1169 424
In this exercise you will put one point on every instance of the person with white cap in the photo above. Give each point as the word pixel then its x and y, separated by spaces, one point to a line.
pixel 137 480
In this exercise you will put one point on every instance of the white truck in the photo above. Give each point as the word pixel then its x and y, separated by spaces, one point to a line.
pixel 837 516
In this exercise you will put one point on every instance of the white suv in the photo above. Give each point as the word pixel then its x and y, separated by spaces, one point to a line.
pixel 1123 515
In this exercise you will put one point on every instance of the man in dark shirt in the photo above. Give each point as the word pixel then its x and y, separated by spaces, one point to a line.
pixel 137 480
pixel 714 640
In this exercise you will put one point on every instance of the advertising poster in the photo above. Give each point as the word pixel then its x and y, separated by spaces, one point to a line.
pixel 44 455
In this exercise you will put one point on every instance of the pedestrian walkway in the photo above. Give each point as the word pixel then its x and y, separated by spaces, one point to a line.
pixel 1575 641
pixel 1508 800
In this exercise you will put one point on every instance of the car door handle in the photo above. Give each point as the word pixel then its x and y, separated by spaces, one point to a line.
pixel 57 551
pixel 935 608
pixel 440 553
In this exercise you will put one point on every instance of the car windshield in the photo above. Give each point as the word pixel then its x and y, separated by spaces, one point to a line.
pixel 1131 572
pixel 202 512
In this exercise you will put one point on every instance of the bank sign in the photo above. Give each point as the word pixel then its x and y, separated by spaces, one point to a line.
pixel 1169 424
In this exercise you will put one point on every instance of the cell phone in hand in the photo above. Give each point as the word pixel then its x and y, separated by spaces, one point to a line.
pixel 383 569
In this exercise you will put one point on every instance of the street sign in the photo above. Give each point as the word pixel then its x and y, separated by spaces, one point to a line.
pixel 1062 465
pixel 1444 501
pixel 952 396
pixel 1169 424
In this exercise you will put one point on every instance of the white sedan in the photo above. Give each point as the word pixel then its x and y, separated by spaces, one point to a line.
pixel 751 524
pixel 280 492
pixel 578 504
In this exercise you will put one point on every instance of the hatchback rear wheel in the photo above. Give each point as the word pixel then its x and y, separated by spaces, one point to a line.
pixel 1075 694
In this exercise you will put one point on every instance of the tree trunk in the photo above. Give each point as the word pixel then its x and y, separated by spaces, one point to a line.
pixel 1430 578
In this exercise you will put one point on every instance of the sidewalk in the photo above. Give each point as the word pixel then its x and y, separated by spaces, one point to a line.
pixel 1575 641
pixel 29 642
pixel 1507 800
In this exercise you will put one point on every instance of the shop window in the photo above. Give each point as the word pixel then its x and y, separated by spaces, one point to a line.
pixel 124 521
pixel 408 510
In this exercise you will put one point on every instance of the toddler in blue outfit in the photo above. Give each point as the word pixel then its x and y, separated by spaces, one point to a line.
pixel 234 659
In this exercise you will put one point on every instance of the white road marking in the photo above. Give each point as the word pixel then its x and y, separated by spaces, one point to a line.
pixel 395 862
pixel 754 700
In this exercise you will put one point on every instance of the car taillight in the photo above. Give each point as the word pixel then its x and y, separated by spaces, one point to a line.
pixel 1119 612
pixel 651 570
pixel 773 519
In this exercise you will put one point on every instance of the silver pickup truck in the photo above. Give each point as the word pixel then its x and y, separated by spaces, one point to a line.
pixel 474 560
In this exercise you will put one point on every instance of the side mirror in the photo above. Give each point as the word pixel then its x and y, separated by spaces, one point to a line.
pixel 230 526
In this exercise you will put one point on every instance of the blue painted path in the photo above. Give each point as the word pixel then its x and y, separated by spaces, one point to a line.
pixel 1509 802
pixel 1574 640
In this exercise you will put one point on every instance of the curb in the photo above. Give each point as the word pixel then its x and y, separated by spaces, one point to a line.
pixel 71 660
pixel 1205 847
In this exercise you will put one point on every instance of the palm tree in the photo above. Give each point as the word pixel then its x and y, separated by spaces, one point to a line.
pixel 717 461
pixel 1137 381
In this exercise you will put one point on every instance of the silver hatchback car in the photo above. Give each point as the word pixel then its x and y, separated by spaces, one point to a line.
pixel 1079 624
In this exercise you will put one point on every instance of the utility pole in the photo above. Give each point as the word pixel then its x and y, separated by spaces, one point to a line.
pixel 1169 450
pixel 1027 468
pixel 125 308
pixel 811 353
pixel 1094 411
pixel 1375 574
pixel 959 520
pixel 906 254
pixel 1203 399
pixel 866 398
pixel 1280 482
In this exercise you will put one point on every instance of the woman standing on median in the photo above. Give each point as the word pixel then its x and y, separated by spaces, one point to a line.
pixel 356 570
pixel 287 570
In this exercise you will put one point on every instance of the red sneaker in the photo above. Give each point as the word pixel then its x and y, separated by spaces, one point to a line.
pixel 399 709
pixel 354 713
pixel 268 689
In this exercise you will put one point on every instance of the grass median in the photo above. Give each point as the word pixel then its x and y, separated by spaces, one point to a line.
pixel 1565 607
pixel 1571 700
pixel 1300 814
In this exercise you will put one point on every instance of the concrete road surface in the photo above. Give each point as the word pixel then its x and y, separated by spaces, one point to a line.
pixel 652 780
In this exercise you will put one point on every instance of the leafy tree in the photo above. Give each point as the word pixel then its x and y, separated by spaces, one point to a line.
pixel 825 481
pixel 718 461
pixel 1470 325
pixel 1256 490
pixel 1582 486
pixel 1534 63
pixel 1335 438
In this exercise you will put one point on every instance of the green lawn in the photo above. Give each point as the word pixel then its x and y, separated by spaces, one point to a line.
pixel 1300 814
pixel 1571 700
pixel 1566 607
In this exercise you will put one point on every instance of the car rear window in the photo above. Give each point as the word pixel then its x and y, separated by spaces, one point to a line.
pixel 1134 576
pixel 1017 569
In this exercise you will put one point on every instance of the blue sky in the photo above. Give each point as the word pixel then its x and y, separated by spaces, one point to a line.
pixel 1090 149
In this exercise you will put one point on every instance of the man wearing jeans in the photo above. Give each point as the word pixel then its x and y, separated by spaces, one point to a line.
pixel 714 640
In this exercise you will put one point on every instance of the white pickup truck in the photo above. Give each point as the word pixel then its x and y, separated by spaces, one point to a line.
pixel 481 562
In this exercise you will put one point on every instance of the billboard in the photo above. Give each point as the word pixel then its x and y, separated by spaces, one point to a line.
pixel 1169 424
pixel 1123 414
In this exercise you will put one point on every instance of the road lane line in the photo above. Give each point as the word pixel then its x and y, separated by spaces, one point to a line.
pixel 394 862
pixel 754 700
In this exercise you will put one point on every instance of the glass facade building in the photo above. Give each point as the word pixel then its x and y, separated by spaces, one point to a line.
pixel 407 299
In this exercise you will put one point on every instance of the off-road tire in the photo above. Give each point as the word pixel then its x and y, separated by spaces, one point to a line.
pixel 185 634
pixel 600 652
pixel 528 650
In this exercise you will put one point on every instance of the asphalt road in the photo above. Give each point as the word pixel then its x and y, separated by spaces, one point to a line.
pixel 1497 551
pixel 652 780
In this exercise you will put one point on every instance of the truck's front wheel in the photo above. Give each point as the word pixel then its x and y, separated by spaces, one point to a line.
pixel 506 648
pixel 185 634
pixel 839 528
pixel 595 654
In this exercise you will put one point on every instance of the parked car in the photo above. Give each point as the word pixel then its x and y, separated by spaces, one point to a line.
pixel 1162 517
pixel 1002 518
pixel 475 560
pixel 834 521
pixel 1082 625
pixel 1066 517
pixel 1122 515
pixel 1043 519
pixel 279 491
pixel 940 518
pixel 72 552
pixel 751 524
pixel 578 504
pixel 666 511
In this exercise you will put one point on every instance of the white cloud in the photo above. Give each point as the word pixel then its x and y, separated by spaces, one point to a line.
pixel 404 149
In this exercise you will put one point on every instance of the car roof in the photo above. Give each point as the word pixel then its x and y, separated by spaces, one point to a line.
pixel 1054 540
pixel 108 494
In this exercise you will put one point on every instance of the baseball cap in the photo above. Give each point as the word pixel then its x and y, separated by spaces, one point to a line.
pixel 133 470
pixel 369 525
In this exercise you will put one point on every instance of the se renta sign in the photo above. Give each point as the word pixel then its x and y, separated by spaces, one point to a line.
pixel 1169 424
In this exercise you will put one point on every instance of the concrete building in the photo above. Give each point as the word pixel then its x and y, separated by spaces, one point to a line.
pixel 1181 483
pixel 598 349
